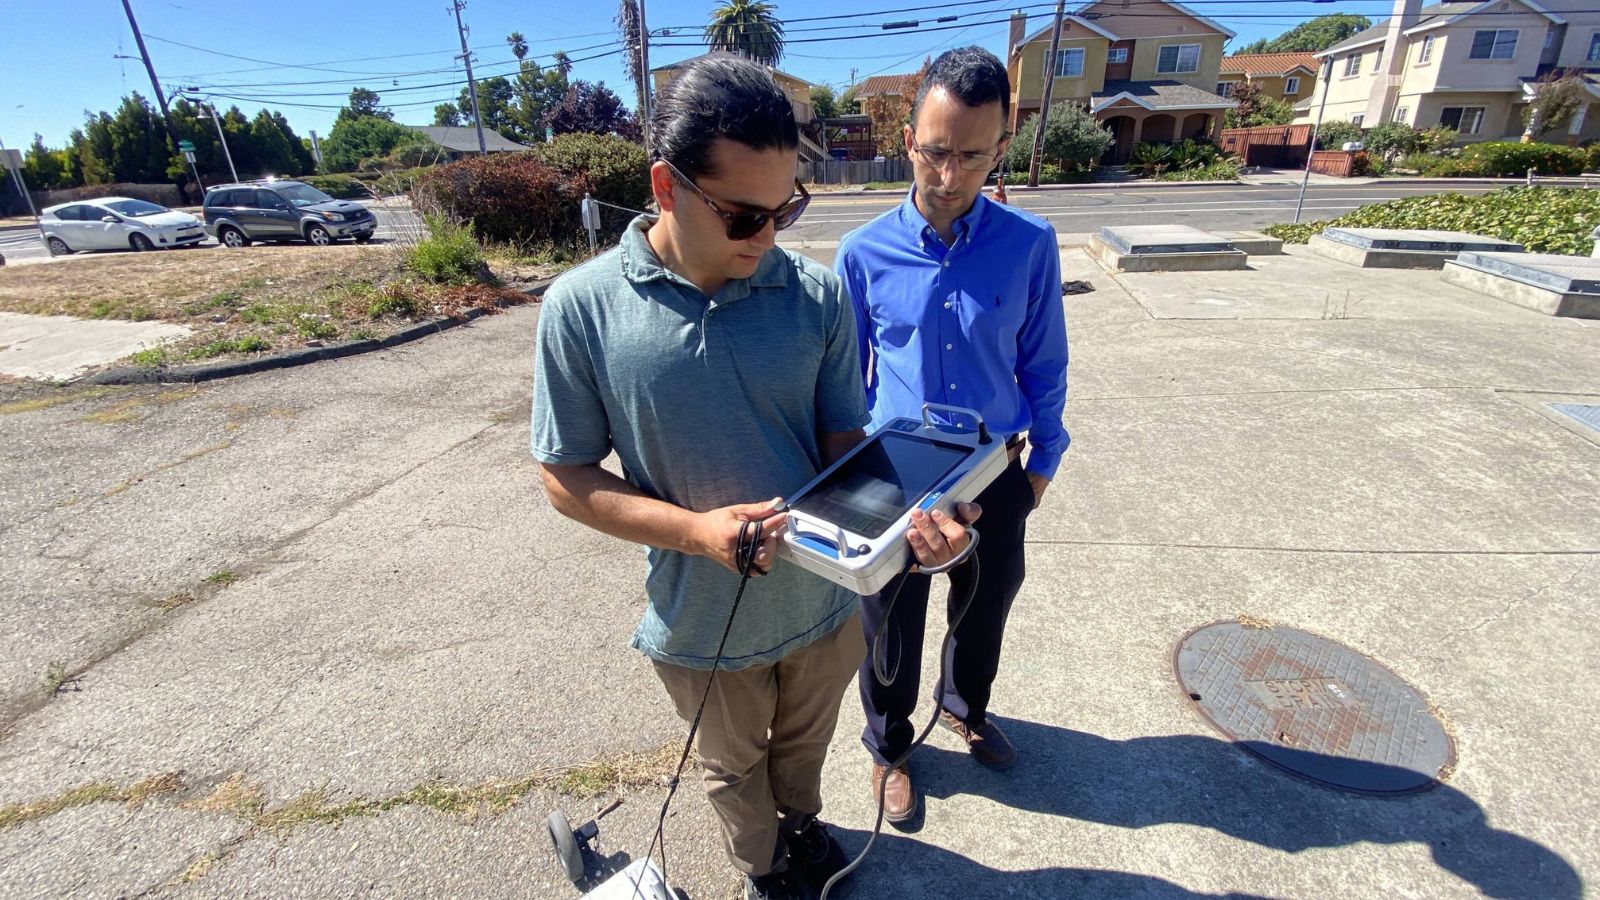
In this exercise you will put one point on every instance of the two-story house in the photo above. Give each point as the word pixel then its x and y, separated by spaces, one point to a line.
pixel 1146 68
pixel 1290 77
pixel 1470 66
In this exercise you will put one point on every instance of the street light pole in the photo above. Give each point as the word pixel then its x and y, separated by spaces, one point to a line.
pixel 1049 85
pixel 216 119
pixel 1327 83
pixel 16 175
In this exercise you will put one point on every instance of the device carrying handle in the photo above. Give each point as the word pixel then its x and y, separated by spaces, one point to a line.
pixel 818 527
pixel 963 556
pixel 927 421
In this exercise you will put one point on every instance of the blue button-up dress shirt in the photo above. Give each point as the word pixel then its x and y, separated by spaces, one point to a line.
pixel 978 323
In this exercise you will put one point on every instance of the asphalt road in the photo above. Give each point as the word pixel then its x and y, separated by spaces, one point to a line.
pixel 1080 211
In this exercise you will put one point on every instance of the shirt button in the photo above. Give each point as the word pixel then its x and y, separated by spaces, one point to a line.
pixel 947 264
pixel 949 346
pixel 952 386
pixel 949 304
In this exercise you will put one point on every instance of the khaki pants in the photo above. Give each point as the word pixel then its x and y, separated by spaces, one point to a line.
pixel 764 735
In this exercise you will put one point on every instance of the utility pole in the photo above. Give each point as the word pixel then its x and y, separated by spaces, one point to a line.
pixel 16 174
pixel 644 76
pixel 1327 85
pixel 1049 86
pixel 216 118
pixel 472 85
pixel 161 99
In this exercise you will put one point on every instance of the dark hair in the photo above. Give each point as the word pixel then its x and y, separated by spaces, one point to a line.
pixel 720 95
pixel 972 75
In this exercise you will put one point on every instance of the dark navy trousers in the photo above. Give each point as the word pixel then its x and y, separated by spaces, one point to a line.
pixel 974 657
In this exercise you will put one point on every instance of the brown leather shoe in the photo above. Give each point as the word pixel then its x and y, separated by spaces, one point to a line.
pixel 899 797
pixel 987 743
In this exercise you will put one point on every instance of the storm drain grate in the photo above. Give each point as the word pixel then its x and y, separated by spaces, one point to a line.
pixel 1314 707
pixel 1584 414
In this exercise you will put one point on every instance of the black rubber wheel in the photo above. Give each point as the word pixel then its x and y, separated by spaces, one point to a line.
pixel 140 243
pixel 232 237
pixel 57 247
pixel 566 846
pixel 319 236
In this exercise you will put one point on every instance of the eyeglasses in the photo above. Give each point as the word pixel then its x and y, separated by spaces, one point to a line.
pixel 937 157
pixel 745 225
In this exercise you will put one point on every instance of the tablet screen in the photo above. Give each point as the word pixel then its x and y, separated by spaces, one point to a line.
pixel 882 482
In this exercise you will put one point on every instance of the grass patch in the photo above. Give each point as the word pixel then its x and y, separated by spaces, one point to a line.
pixel 55 677
pixel 235 796
pixel 134 795
pixel 887 185
pixel 223 578
pixel 251 344
pixel 173 601
pixel 1543 220
pixel 151 357
pixel 450 254
pixel 34 404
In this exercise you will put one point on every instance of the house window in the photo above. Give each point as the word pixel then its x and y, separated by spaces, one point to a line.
pixel 1291 85
pixel 1069 63
pixel 1494 44
pixel 1401 114
pixel 1426 52
pixel 1352 65
pixel 1549 38
pixel 1464 119
pixel 1178 58
pixel 1117 55
pixel 1357 119
pixel 1224 89
pixel 1377 60
pixel 1594 48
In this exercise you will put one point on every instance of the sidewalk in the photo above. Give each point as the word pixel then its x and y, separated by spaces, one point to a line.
pixel 326 622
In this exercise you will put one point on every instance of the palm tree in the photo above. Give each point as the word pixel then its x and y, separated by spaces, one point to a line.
pixel 627 20
pixel 518 44
pixel 749 28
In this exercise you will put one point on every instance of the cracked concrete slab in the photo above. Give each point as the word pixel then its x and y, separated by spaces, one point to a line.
pixel 62 347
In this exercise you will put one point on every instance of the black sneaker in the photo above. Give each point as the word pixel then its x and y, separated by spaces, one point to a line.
pixel 815 853
pixel 785 885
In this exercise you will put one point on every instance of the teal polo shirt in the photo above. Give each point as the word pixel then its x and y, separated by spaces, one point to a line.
pixel 707 402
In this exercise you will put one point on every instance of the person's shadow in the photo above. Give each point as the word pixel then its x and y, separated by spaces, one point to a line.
pixel 1197 781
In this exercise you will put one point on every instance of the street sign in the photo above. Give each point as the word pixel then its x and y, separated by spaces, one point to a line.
pixel 186 146
pixel 11 159
pixel 188 156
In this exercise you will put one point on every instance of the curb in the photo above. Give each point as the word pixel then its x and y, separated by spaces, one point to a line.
pixel 194 374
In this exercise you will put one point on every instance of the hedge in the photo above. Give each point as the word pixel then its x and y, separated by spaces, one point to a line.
pixel 1543 220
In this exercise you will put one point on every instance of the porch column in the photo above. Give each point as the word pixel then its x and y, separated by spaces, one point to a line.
pixel 1576 128
pixel 1138 127
pixel 1216 128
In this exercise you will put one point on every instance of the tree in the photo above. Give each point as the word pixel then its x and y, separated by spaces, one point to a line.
pixel 447 114
pixel 43 168
pixel 1255 108
pixel 1073 140
pixel 494 106
pixel 356 138
pixel 627 20
pixel 518 44
pixel 363 103
pixel 274 150
pixel 890 114
pixel 823 104
pixel 1556 99
pixel 750 28
pixel 847 101
pixel 1311 36
pixel 591 108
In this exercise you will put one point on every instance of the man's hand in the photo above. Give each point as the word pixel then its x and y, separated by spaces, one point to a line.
pixel 936 539
pixel 1040 485
pixel 716 534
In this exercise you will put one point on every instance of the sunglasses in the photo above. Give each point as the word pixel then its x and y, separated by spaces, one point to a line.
pixel 745 225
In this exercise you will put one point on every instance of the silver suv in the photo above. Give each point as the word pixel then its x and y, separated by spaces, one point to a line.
pixel 237 214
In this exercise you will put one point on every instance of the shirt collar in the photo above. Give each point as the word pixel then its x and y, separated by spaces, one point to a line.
pixel 917 224
pixel 640 264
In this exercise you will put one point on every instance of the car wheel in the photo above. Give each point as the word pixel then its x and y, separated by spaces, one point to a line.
pixel 232 237
pixel 140 243
pixel 318 235
pixel 57 247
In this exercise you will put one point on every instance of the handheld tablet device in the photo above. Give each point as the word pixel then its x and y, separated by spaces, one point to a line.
pixel 849 524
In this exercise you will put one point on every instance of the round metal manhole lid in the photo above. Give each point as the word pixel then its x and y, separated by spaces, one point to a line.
pixel 1314 707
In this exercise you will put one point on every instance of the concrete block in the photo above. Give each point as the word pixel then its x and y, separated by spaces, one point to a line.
pixel 1552 301
pixel 1401 248
pixel 1254 243
pixel 1152 239
pixel 1204 261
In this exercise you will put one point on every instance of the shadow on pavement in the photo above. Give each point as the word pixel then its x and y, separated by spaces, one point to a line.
pixel 1200 781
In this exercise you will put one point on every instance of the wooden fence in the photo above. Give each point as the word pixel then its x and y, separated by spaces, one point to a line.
pixel 1276 146
pixel 1333 162
pixel 834 171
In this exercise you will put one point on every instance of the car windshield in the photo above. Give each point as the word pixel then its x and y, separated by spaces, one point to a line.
pixel 302 194
pixel 137 209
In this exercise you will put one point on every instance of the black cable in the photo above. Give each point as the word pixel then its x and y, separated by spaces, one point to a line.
pixel 938 707
pixel 749 543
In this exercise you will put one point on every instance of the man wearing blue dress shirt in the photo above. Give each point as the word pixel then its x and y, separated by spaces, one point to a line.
pixel 958 301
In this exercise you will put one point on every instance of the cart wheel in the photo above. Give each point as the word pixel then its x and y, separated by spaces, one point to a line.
pixel 566 846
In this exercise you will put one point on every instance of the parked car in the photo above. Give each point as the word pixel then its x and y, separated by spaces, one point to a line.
pixel 237 214
pixel 117 223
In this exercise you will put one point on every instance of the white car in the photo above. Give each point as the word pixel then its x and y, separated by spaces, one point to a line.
pixel 117 223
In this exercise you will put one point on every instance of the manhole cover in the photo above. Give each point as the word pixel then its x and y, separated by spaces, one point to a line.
pixel 1314 707
pixel 1585 414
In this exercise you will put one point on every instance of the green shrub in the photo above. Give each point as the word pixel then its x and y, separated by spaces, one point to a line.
pixel 511 198
pixel 313 328
pixel 616 170
pixel 250 344
pixel 1592 164
pixel 448 255
pixel 1073 141
pixel 1150 159
pixel 406 156
pixel 1224 168
pixel 396 300
pixel 1511 159
pixel 1335 134
pixel 340 187
pixel 1543 220
pixel 1050 173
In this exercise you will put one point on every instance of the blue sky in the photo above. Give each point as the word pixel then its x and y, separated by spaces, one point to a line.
pixel 334 43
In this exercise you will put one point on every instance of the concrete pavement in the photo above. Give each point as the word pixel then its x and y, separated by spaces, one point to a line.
pixel 393 613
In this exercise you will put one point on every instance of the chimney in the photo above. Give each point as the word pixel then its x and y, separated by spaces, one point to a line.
pixel 1019 27
pixel 1390 72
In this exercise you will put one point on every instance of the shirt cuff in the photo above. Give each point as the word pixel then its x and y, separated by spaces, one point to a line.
pixel 1043 462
